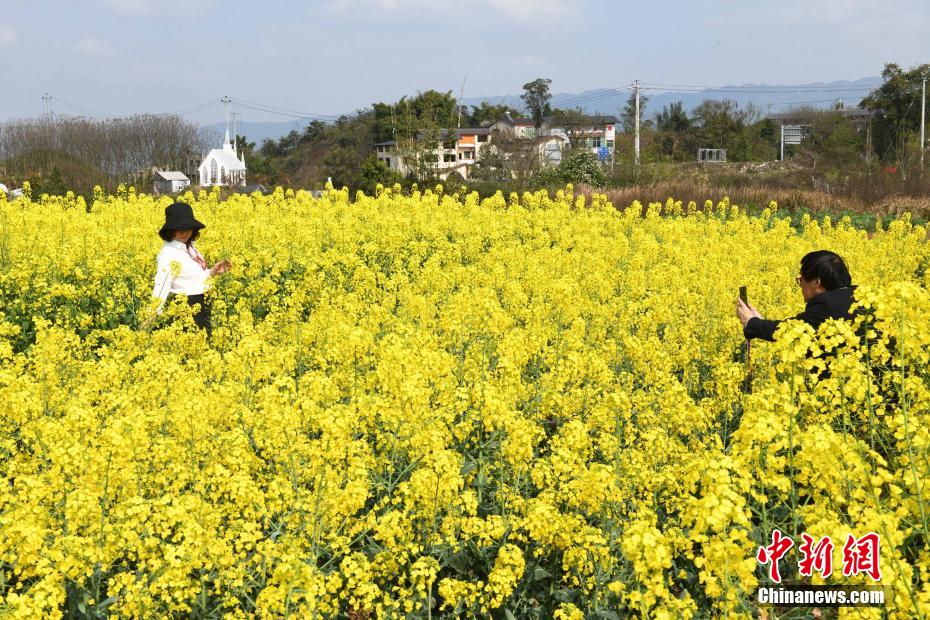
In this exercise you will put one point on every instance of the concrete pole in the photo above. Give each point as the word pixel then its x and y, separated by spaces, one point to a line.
pixel 636 139
pixel 782 142
pixel 923 118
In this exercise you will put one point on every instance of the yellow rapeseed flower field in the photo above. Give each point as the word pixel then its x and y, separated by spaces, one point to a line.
pixel 425 404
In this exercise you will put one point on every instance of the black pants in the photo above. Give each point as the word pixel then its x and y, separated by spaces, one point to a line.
pixel 202 318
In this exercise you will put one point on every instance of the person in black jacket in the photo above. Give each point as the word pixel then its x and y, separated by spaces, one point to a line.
pixel 827 289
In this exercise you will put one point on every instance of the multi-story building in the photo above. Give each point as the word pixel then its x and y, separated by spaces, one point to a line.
pixel 453 152
pixel 555 134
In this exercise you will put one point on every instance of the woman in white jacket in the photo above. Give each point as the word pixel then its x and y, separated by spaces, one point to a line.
pixel 182 269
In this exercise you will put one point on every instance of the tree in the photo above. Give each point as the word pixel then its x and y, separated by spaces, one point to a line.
pixel 832 142
pixel 487 113
pixel 898 100
pixel 245 147
pixel 536 97
pixel 673 125
pixel 372 172
pixel 717 123
pixel 509 158
pixel 574 123
pixel 53 184
pixel 342 165
pixel 673 118
pixel 579 167
pixel 106 152
pixel 314 130
pixel 628 116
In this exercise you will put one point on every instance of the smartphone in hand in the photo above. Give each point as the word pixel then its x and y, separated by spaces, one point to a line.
pixel 742 295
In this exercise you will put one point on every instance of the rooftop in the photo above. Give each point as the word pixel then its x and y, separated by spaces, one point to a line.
pixel 172 175
pixel 587 120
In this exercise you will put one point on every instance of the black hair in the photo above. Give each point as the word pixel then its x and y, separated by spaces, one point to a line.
pixel 828 267
pixel 168 235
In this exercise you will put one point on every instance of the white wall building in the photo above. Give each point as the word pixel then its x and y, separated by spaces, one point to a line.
pixel 598 134
pixel 451 155
pixel 170 182
pixel 223 166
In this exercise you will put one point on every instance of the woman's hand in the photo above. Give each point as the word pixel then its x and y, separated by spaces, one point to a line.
pixel 220 267
pixel 744 312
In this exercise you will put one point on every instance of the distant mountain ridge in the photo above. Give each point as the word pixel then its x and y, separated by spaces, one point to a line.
pixel 612 101
pixel 767 97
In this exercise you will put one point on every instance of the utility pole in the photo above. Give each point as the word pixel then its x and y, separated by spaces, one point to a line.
pixel 868 145
pixel 46 105
pixel 782 158
pixel 459 103
pixel 923 118
pixel 636 138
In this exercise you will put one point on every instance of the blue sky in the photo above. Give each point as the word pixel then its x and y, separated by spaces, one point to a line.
pixel 332 56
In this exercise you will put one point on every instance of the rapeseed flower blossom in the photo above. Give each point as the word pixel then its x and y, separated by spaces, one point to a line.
pixel 427 404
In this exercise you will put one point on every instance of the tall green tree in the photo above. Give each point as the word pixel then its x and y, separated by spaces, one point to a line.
pixel 673 124
pixel 628 115
pixel 673 118
pixel 488 113
pixel 832 142
pixel 718 122
pixel 536 97
pixel 575 124
pixel 898 101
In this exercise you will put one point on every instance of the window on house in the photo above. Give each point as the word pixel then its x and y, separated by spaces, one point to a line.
pixel 610 144
pixel 449 157
pixel 214 173
pixel 482 138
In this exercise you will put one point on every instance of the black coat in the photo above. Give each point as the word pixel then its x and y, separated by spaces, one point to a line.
pixel 828 305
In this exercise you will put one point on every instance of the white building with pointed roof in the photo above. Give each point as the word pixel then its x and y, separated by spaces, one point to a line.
pixel 223 166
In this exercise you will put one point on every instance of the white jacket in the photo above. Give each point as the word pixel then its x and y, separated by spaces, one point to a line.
pixel 191 278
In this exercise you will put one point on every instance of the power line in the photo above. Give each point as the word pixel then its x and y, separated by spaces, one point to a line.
pixel 195 109
pixel 201 107
pixel 284 111
pixel 77 108
pixel 603 94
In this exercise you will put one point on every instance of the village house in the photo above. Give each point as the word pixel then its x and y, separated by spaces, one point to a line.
pixel 553 138
pixel 170 182
pixel 457 151
pixel 595 133
pixel 521 128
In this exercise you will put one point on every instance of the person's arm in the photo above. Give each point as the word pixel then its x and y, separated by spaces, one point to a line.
pixel 757 327
pixel 754 325
pixel 816 312
pixel 219 267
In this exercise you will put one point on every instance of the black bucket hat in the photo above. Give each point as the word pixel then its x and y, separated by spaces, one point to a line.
pixel 180 216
